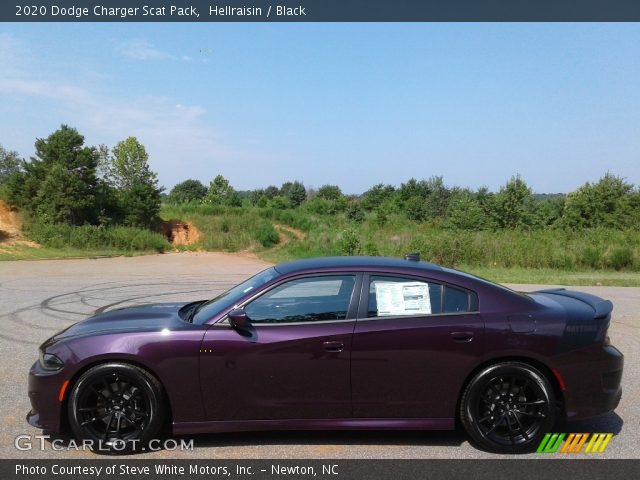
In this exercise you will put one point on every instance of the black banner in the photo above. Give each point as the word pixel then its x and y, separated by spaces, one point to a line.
pixel 320 11
pixel 117 468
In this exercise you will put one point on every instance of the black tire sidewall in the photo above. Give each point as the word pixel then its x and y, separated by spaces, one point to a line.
pixel 151 389
pixel 471 396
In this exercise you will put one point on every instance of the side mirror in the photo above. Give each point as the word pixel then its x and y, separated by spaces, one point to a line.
pixel 239 319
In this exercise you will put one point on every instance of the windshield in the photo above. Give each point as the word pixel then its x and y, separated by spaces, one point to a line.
pixel 208 309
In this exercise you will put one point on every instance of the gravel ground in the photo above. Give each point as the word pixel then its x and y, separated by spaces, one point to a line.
pixel 39 298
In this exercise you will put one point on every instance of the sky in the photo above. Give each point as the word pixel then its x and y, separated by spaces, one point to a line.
pixel 346 104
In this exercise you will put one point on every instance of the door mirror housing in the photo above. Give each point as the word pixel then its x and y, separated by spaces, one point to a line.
pixel 238 319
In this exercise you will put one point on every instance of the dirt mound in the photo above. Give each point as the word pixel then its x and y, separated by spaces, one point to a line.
pixel 180 233
pixel 10 223
pixel 11 227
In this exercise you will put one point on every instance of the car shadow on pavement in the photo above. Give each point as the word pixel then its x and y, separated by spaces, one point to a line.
pixel 608 423
pixel 337 438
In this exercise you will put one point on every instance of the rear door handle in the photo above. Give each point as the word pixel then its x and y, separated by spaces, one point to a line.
pixel 462 337
pixel 333 346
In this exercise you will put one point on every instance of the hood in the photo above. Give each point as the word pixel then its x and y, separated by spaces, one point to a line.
pixel 143 318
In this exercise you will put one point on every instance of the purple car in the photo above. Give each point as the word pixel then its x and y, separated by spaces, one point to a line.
pixel 335 343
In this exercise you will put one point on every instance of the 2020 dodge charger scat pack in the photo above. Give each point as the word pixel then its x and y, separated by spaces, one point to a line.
pixel 335 343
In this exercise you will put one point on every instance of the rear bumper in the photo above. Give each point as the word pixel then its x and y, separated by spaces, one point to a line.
pixel 593 384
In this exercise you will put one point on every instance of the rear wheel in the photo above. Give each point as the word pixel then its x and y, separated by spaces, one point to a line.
pixel 117 407
pixel 508 407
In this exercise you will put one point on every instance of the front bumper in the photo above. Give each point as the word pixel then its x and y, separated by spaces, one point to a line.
pixel 44 390
pixel 593 382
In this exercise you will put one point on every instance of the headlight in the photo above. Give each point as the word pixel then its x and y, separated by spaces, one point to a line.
pixel 50 362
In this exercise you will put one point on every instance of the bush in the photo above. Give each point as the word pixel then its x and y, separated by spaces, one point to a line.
pixel 266 234
pixel 620 257
pixel 355 213
pixel 349 242
pixel 88 237
pixel 280 203
pixel 591 257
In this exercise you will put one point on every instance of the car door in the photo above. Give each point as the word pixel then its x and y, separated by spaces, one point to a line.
pixel 414 343
pixel 293 362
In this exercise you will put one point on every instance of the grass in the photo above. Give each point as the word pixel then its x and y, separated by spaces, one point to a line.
pixel 65 241
pixel 587 257
pixel 23 252
pixel 90 237
pixel 547 276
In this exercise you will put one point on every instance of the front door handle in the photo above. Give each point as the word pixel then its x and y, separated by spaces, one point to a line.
pixel 333 346
pixel 462 337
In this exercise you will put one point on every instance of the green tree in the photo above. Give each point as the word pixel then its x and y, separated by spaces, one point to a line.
pixel 415 208
pixel 355 213
pixel 411 188
pixel 59 183
pixel 467 213
pixel 10 163
pixel 548 212
pixel 188 191
pixel 220 191
pixel 349 242
pixel 437 198
pixel 271 191
pixel 329 192
pixel 295 193
pixel 280 202
pixel 136 184
pixel 603 204
pixel 256 195
pixel 376 196
pixel 511 204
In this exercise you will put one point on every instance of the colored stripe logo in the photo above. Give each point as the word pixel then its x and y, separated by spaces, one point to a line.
pixel 574 442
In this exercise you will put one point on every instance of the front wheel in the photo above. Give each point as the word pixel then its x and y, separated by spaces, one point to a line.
pixel 116 407
pixel 508 407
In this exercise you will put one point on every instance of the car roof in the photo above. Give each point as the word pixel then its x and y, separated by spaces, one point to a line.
pixel 357 263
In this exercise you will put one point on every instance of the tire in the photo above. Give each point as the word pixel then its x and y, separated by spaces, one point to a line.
pixel 116 408
pixel 508 407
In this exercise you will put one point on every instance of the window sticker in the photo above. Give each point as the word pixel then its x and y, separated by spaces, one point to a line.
pixel 402 298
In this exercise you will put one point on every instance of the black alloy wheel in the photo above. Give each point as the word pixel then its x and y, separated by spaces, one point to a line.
pixel 117 407
pixel 508 407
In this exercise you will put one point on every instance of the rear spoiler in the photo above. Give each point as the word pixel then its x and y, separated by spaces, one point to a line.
pixel 601 307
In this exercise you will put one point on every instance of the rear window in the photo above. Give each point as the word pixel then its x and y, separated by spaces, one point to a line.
pixel 455 300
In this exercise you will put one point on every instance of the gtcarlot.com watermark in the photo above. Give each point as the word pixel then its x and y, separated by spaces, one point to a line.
pixel 45 442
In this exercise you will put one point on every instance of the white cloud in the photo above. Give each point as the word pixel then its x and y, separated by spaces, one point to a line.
pixel 13 54
pixel 41 88
pixel 140 49
pixel 180 138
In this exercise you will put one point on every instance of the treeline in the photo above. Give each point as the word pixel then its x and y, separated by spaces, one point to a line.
pixel 68 185
pixel 609 203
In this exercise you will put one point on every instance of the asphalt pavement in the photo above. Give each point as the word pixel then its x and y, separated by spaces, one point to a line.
pixel 39 298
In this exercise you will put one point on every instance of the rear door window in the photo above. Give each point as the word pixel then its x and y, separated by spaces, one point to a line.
pixel 403 296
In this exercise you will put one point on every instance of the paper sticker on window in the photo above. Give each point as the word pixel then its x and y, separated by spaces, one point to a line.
pixel 402 298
